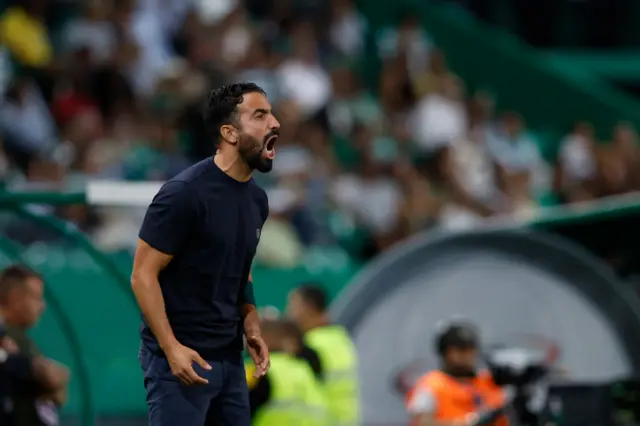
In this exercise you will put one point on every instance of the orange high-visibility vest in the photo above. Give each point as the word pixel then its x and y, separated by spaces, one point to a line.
pixel 456 398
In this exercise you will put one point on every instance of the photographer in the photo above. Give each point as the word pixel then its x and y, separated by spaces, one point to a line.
pixel 36 396
pixel 457 394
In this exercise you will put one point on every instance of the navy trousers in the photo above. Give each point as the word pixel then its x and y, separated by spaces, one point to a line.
pixel 224 401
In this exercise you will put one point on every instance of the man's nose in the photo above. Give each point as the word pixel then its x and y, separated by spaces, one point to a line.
pixel 275 124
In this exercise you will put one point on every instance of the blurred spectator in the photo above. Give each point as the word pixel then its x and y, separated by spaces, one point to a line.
pixel 237 37
pixel 6 67
pixel 23 30
pixel 4 165
pixel 145 39
pixel 371 194
pixel 307 307
pixel 363 155
pixel 157 155
pixel 516 159
pixel 302 77
pixel 284 341
pixel 576 168
pixel 26 122
pixel 259 65
pixel 408 42
pixel 431 79
pixel 613 173
pixel 348 28
pixel 280 245
pixel 440 117
pixel 351 105
pixel 21 305
pixel 396 94
pixel 92 31
pixel 470 160
pixel 625 143
pixel 213 12
pixel 420 207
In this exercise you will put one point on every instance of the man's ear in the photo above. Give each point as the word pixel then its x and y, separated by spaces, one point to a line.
pixel 229 134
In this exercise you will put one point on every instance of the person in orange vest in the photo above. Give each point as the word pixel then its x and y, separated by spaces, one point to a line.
pixel 459 393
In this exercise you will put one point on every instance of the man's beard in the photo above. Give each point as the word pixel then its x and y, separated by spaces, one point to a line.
pixel 250 150
pixel 460 371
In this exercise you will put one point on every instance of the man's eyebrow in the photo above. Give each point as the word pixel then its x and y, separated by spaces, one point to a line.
pixel 260 111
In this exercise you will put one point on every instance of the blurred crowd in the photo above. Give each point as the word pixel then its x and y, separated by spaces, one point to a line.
pixel 113 89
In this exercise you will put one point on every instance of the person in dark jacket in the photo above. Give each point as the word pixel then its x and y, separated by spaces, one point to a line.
pixel 35 395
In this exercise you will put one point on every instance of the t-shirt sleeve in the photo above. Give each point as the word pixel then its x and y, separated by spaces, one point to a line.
pixel 169 218
pixel 422 401
pixel 264 205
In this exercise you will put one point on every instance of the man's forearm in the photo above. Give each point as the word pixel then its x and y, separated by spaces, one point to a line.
pixel 251 320
pixel 151 302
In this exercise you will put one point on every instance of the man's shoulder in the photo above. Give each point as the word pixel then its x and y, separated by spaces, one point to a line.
pixel 421 398
pixel 259 194
pixel 192 174
pixel 186 183
pixel 433 380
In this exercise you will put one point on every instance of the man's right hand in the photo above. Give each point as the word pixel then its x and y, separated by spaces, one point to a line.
pixel 181 360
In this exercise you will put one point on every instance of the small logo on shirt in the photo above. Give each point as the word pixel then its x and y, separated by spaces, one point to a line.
pixel 258 233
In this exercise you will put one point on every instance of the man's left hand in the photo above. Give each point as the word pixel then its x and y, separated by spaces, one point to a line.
pixel 260 354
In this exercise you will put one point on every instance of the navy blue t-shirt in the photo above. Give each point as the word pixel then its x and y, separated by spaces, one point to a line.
pixel 211 224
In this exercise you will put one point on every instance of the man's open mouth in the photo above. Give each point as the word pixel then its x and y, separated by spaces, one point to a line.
pixel 270 147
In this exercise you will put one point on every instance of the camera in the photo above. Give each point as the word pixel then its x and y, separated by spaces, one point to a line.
pixel 522 372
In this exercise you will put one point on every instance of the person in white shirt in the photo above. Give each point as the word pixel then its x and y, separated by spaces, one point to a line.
pixel 519 165
pixel 440 118
pixel 302 78
pixel 576 165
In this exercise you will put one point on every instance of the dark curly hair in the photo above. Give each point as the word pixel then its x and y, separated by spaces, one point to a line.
pixel 222 106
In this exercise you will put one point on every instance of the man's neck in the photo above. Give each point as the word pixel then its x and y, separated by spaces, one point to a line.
pixel 233 166
pixel 458 373
pixel 321 321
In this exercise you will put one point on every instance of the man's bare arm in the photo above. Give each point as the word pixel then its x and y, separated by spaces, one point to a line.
pixel 251 323
pixel 251 320
pixel 147 264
